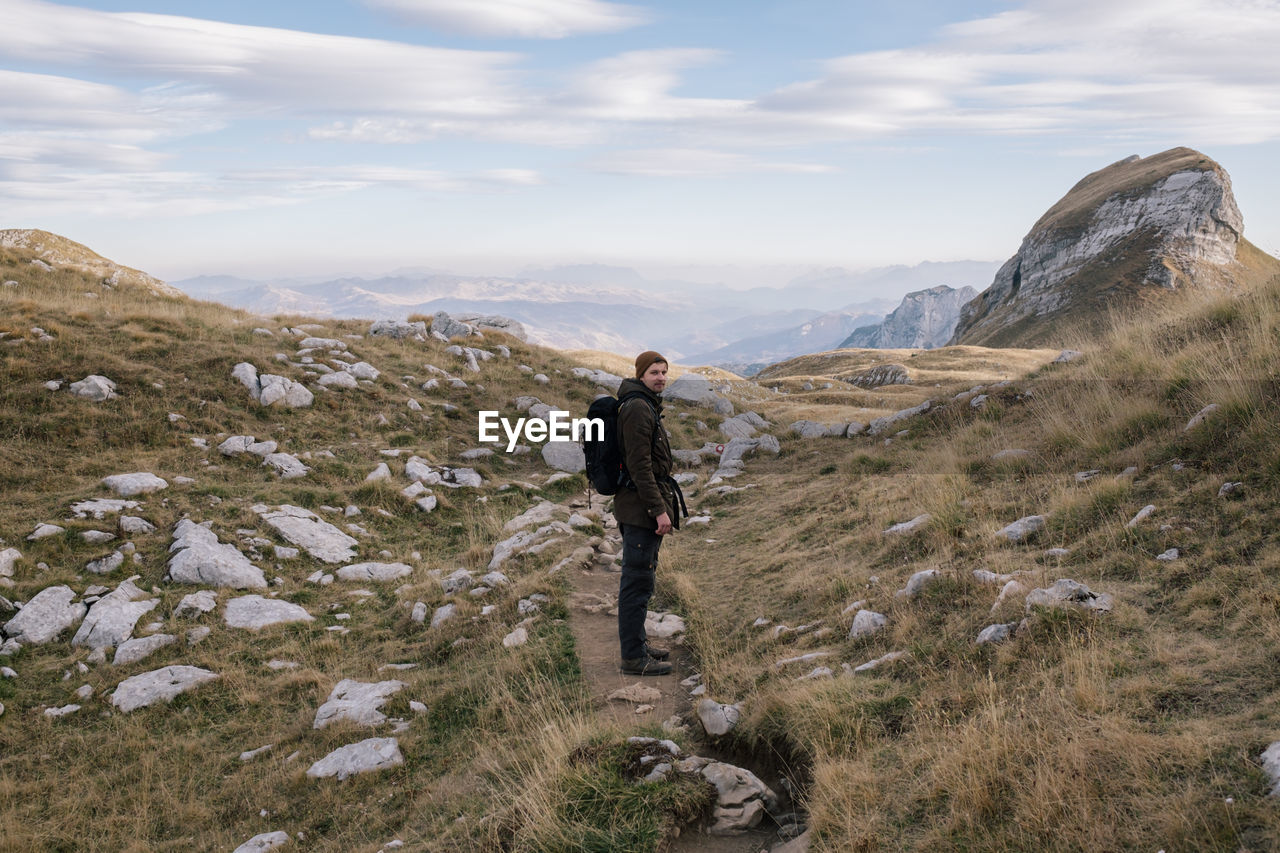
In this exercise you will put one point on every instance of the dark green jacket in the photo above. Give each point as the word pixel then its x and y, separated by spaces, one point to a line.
pixel 647 452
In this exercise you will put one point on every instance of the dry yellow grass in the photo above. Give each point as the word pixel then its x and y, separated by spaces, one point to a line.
pixel 1138 729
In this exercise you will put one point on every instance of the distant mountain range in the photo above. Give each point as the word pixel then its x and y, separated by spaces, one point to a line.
pixel 616 308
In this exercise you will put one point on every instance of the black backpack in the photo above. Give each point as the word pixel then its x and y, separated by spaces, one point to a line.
pixel 606 464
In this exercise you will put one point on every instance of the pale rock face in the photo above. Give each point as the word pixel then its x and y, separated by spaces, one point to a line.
pixel 1191 215
pixel 374 571
pixel 270 389
pixel 254 612
pixel 138 648
pixel 45 616
pixel 564 456
pixel 201 559
pixel 160 685
pixel 697 390
pixel 363 757
pixel 128 485
pixel 925 319
pixel 112 618
pixel 96 388
pixel 356 702
pixel 308 531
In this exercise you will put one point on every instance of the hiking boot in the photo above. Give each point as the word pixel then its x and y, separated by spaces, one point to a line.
pixel 645 666
pixel 657 653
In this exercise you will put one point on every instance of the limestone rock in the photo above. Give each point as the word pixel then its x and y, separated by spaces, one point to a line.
pixel 96 388
pixel 201 559
pixel 50 612
pixel 1068 593
pixel 134 650
pixel 564 456
pixel 112 618
pixel 866 623
pixel 356 702
pixel 160 685
pixel 1201 416
pixel 997 633
pixel 904 527
pixel 925 319
pixel 1022 529
pixel 696 390
pixel 397 329
pixel 882 425
pixel 264 841
pixel 637 693
pixel 1271 766
pixel 374 571
pixel 308 531
pixel 378 753
pixel 718 719
pixel 128 485
pixel 255 612
pixel 272 390
pixel 917 582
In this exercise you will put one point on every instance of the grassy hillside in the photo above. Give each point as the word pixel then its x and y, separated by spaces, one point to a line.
pixel 1140 728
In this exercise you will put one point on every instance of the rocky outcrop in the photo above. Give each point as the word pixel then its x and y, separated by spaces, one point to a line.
pixel 925 319
pixel 60 252
pixel 1130 230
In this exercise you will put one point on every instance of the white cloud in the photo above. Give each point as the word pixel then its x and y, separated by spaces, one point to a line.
pixel 545 19
pixel 693 163
pixel 264 69
pixel 1202 68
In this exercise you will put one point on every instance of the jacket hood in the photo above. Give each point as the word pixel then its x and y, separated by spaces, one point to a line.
pixel 631 386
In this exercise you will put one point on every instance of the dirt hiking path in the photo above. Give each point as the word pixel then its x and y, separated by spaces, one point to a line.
pixel 594 622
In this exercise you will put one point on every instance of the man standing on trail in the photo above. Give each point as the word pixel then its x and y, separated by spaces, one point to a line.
pixel 646 508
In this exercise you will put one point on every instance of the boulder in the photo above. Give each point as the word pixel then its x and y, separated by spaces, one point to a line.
pixel 160 685
pixel 288 466
pixel 255 612
pixel 96 388
pixel 339 380
pixel 308 531
pixel 201 559
pixel 866 623
pixel 995 633
pixel 564 456
pixel 918 582
pixel 374 571
pixel 881 375
pixel 696 390
pixel 1068 593
pixel 718 719
pixel 263 842
pixel 197 603
pixel 397 329
pixel 377 753
pixel 128 485
pixel 112 618
pixel 1022 529
pixel 904 527
pixel 356 702
pixel 50 612
pixel 742 800
pixel 881 425
pixel 138 648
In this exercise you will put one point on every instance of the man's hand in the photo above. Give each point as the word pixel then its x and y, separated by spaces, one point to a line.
pixel 664 524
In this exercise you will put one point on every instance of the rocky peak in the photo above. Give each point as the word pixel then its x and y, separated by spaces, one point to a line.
pixel 1142 224
pixel 58 251
pixel 925 319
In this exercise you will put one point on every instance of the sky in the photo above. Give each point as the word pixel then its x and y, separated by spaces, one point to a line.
pixel 334 137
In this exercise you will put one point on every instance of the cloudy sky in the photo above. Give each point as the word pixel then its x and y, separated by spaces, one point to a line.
pixel 336 136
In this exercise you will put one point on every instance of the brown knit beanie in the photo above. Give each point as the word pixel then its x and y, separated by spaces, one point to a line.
pixel 646 359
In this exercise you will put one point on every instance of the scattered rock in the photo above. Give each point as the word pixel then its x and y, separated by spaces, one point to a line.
pixel 637 693
pixel 995 633
pixel 44 531
pixel 1023 528
pixel 112 618
pixel 718 719
pixel 1201 416
pixel 918 582
pixel 905 527
pixel 1142 515
pixel 356 702
pixel 50 612
pixel 160 685
pixel 201 559
pixel 374 571
pixel 1068 593
pixel 97 389
pixel 255 612
pixel 866 623
pixel 128 485
pixel 308 531
pixel 134 650
pixel 364 757
pixel 263 842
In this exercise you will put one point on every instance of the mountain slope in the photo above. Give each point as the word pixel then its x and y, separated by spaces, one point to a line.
pixel 52 249
pixel 924 319
pixel 1121 237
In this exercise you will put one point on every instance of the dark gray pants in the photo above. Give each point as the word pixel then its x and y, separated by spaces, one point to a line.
pixel 639 563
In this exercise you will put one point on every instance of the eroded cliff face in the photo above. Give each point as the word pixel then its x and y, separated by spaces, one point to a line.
pixel 1165 221
pixel 925 319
